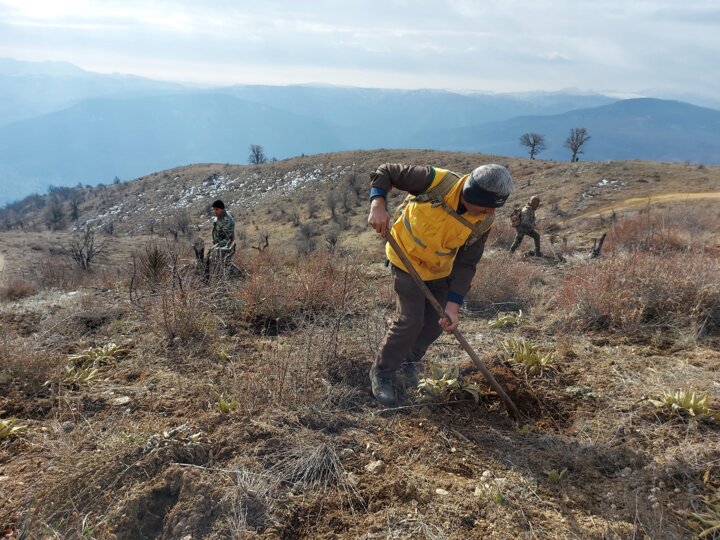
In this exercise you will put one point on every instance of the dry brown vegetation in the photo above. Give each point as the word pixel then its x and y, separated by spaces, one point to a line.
pixel 241 408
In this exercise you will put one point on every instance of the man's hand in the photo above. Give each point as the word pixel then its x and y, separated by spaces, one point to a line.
pixel 452 309
pixel 379 219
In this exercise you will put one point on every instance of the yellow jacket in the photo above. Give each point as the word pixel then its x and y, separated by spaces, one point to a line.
pixel 429 235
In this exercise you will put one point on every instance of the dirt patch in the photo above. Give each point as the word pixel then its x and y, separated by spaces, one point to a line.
pixel 93 320
pixel 272 326
pixel 25 323
pixel 543 408
pixel 181 502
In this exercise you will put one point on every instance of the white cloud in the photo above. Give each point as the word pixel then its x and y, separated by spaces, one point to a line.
pixel 493 45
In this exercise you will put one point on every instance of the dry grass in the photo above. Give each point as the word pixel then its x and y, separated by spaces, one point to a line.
pixel 280 290
pixel 501 235
pixel 311 463
pixel 503 283
pixel 643 291
pixel 292 343
pixel 29 368
pixel 17 289
pixel 661 230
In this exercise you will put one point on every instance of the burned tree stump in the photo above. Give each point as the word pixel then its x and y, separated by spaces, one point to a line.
pixel 597 247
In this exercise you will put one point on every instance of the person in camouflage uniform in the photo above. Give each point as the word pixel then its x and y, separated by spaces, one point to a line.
pixel 527 226
pixel 223 233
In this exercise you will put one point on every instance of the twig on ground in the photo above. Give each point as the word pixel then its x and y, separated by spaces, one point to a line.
pixel 416 405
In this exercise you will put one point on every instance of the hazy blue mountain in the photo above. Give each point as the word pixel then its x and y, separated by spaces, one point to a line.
pixel 29 89
pixel 390 118
pixel 650 129
pixel 99 139
pixel 74 126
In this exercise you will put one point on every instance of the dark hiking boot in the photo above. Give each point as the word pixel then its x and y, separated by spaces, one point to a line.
pixel 538 254
pixel 411 374
pixel 382 388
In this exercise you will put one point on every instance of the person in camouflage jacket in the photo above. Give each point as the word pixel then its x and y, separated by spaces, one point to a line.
pixel 527 226
pixel 223 233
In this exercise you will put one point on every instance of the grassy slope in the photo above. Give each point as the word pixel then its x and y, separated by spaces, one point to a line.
pixel 162 462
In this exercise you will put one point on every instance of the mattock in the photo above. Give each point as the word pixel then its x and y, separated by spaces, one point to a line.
pixel 509 405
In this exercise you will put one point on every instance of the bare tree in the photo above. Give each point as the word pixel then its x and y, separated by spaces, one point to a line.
pixel 295 217
pixel 534 142
pixel 76 197
pixel 312 208
pixel 332 235
pixel 355 182
pixel 54 215
pixel 257 155
pixel 9 218
pixel 575 141
pixel 83 249
pixel 331 200
pixel 182 221
pixel 348 198
pixel 305 240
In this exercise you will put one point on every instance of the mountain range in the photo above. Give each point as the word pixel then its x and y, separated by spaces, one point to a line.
pixel 61 125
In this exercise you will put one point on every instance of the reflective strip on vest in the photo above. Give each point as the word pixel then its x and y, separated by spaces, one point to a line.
pixel 433 236
pixel 409 228
pixel 447 254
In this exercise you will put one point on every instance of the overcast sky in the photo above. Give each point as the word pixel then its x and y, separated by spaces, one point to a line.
pixel 508 45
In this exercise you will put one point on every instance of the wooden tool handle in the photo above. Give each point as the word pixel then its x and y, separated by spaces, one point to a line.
pixel 509 405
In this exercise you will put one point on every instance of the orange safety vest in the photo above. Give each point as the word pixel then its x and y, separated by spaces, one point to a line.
pixel 429 234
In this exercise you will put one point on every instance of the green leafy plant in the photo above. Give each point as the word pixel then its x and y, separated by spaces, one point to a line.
pixel 98 356
pixel 10 428
pixel 490 491
pixel 445 386
pixel 504 320
pixel 222 356
pixel 707 522
pixel 526 353
pixel 555 476
pixel 683 401
pixel 225 405
pixel 79 376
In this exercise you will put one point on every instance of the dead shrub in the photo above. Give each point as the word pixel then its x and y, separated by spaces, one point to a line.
pixel 660 231
pixel 310 463
pixel 153 264
pixel 58 273
pixel 504 283
pixel 252 501
pixel 17 289
pixel 181 308
pixel 185 312
pixel 281 290
pixel 642 291
pixel 30 369
pixel 640 233
pixel 320 367
pixel 501 236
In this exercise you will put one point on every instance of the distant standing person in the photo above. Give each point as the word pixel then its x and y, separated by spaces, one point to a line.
pixel 223 233
pixel 526 226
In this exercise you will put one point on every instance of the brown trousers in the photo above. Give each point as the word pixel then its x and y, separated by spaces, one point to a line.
pixel 416 325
